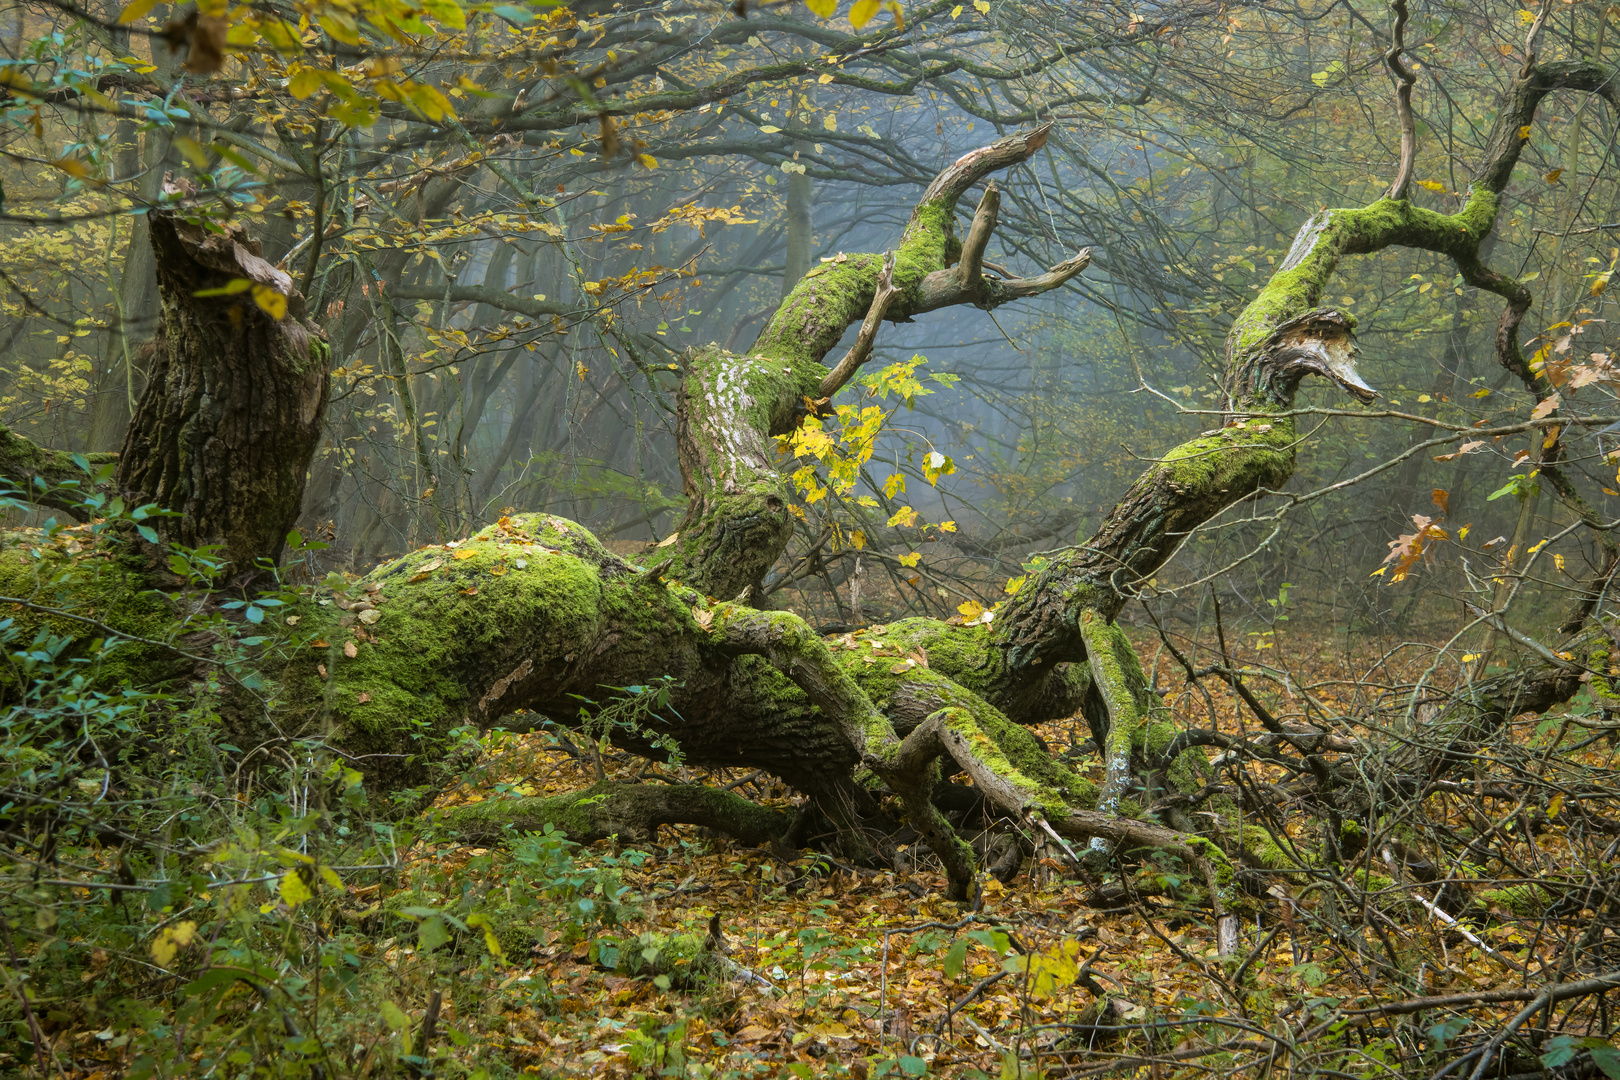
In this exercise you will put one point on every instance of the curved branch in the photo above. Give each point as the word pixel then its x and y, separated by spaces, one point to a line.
pixel 1404 78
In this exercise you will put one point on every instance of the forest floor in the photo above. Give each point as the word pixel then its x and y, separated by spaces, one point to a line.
pixel 873 972
pixel 862 973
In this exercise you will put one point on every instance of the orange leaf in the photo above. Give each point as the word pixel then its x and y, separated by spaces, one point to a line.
pixel 1442 499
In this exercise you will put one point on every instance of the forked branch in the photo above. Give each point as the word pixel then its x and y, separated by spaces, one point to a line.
pixel 861 351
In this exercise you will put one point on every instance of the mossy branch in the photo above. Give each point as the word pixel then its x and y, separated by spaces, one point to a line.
pixel 49 478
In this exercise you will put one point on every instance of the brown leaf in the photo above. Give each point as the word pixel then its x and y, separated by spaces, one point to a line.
pixel 320 669
pixel 1545 408
pixel 1442 499
pixel 349 650
pixel 207 45
pixel 320 643
pixel 704 618
pixel 364 697
pixel 1466 448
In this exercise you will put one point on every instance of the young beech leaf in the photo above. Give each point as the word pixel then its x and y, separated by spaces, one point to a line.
pixel 955 958
pixel 394 1016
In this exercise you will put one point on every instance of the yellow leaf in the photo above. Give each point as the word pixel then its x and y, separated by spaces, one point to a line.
pixel 970 609
pixel 956 12
pixel 293 890
pixel 1524 132
pixel 822 8
pixel 830 122
pixel 1558 561
pixel 135 10
pixel 647 161
pixel 72 166
pixel 1555 804
pixel 770 129
pixel 897 11
pixel 305 81
pixel 581 370
pixel 862 12
pixel 191 150
pixel 982 6
pixel 464 553
pixel 171 940
pixel 1483 392
pixel 479 919
pixel 911 559
pixel 825 79
pixel 1470 657
pixel 1552 177
pixel 1432 185
pixel 270 301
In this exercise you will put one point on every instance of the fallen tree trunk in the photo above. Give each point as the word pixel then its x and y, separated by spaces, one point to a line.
pixel 533 614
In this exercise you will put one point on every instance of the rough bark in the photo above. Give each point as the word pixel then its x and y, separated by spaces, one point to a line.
pixel 235 398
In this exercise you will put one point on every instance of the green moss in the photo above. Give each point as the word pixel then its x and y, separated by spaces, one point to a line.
pixel 100 582
pixel 423 664
pixel 1117 674
pixel 1271 855
pixel 1371 882
pixel 1233 459
pixel 1526 901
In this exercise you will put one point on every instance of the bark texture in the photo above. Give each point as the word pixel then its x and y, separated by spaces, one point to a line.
pixel 234 403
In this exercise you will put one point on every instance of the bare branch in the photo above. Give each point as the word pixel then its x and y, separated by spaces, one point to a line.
pixel 971 267
pixel 859 352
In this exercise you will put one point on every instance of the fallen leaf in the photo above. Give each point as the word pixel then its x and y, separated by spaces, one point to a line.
pixel 370 616
pixel 320 643
pixel 704 618
pixel 320 669
pixel 349 650
pixel 668 540
pixel 363 698
pixel 465 554
pixel 430 566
